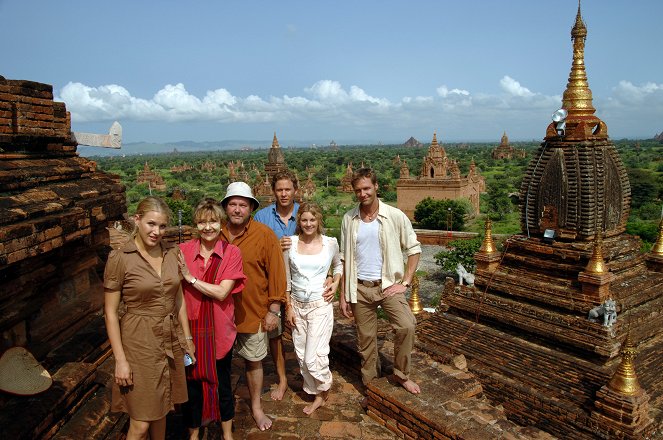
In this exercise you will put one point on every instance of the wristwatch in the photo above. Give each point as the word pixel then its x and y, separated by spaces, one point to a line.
pixel 277 314
pixel 406 284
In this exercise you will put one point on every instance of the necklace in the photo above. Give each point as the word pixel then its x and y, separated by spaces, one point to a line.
pixel 372 216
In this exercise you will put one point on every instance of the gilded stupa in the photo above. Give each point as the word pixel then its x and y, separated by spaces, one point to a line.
pixel 544 323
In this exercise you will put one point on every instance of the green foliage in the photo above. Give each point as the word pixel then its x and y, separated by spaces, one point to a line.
pixel 647 230
pixel 435 214
pixel 499 203
pixel 644 187
pixel 176 206
pixel 643 159
pixel 648 211
pixel 461 251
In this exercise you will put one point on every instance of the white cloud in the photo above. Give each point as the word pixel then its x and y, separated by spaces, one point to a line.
pixel 458 112
pixel 514 88
pixel 444 92
pixel 627 92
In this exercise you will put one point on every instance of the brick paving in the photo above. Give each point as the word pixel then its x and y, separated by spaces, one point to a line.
pixel 341 418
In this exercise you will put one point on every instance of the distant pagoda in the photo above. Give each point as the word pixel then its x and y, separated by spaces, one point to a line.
pixel 412 143
pixel 275 159
pixel 506 151
pixel 524 327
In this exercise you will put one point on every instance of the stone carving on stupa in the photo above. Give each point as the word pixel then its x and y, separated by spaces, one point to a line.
pixel 524 326
pixel 439 178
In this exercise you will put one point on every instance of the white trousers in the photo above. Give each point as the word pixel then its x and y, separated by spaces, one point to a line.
pixel 314 322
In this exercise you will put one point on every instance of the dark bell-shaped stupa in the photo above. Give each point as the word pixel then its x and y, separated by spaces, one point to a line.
pixel 576 185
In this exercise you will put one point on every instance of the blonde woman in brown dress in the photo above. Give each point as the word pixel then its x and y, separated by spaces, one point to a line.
pixel 150 340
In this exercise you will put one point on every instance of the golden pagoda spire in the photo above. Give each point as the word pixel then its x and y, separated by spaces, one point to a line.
pixel 625 380
pixel 658 246
pixel 577 98
pixel 596 263
pixel 275 142
pixel 487 246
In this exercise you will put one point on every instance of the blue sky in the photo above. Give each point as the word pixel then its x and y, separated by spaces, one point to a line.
pixel 352 71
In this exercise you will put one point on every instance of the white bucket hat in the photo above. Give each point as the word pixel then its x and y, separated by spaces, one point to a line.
pixel 239 189
pixel 21 374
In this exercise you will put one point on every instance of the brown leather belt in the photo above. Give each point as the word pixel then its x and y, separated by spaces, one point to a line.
pixel 369 283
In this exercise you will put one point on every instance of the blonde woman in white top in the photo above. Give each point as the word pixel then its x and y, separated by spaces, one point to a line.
pixel 310 313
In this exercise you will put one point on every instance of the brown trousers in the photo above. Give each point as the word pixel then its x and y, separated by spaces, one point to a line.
pixel 402 320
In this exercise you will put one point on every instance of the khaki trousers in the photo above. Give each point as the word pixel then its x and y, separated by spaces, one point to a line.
pixel 402 320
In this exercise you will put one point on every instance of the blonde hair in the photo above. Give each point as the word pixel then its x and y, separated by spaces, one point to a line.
pixel 314 209
pixel 152 204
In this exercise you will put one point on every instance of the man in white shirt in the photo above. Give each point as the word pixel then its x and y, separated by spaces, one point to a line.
pixel 374 236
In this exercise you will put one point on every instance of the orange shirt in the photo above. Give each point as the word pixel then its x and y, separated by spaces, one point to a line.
pixel 265 275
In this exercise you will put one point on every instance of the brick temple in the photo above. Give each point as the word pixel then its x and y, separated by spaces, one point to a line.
pixel 525 326
pixel 440 179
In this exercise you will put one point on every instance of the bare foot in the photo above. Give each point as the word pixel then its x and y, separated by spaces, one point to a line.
pixel 227 429
pixel 262 421
pixel 320 400
pixel 279 391
pixel 409 385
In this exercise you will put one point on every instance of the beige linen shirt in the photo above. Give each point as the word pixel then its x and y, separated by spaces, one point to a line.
pixel 396 236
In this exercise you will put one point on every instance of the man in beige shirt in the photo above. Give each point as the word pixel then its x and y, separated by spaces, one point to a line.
pixel 374 237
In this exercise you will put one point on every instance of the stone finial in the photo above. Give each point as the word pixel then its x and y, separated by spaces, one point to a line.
pixel 625 380
pixel 487 246
pixel 657 249
pixel 275 142
pixel 596 263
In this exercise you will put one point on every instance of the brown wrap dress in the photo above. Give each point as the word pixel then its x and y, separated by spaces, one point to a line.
pixel 152 337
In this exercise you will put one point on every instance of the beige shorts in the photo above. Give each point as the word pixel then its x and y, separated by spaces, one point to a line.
pixel 252 346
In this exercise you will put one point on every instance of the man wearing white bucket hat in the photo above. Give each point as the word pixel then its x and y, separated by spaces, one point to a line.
pixel 258 307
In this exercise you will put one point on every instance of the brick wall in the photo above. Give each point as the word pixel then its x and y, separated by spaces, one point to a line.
pixel 54 209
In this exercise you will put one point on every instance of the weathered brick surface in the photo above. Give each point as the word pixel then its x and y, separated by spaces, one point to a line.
pixel 54 209
pixel 452 404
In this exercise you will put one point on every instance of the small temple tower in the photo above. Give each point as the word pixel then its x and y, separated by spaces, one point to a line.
pixel 152 178
pixel 275 159
pixel 439 178
pixel 545 321
pixel 346 180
